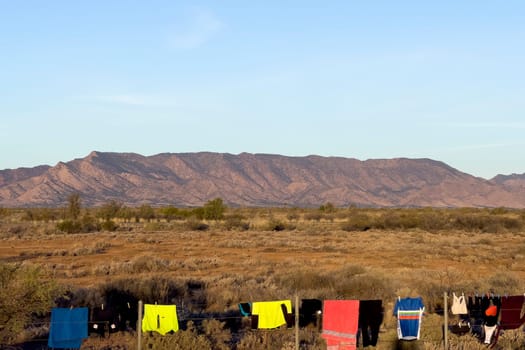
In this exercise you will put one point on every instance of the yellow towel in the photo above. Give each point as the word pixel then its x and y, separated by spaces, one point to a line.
pixel 270 313
pixel 160 318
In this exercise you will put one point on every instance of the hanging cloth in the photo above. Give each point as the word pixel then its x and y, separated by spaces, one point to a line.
pixel 69 327
pixel 160 318
pixel 409 313
pixel 270 313
pixel 370 319
pixel 245 309
pixel 512 313
pixel 459 305
pixel 340 321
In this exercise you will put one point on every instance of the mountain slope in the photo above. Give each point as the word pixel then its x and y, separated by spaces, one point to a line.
pixel 186 179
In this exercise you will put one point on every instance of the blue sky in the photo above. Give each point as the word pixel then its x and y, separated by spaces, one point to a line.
pixel 362 79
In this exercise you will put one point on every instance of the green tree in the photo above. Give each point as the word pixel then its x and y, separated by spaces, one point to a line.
pixel 25 292
pixel 214 209
pixel 146 212
pixel 327 208
pixel 109 210
pixel 170 213
pixel 73 206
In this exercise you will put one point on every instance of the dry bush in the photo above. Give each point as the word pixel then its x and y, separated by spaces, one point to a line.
pixel 274 224
pixel 480 222
pixel 236 222
pixel 181 340
pixel 196 225
pixel 357 222
pixel 219 337
pixel 267 340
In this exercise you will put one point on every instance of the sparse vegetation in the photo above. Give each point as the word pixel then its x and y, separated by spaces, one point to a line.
pixel 211 263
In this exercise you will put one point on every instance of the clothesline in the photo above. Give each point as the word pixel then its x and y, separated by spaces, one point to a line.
pixel 412 315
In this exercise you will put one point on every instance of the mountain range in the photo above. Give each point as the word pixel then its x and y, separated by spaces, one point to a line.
pixel 192 179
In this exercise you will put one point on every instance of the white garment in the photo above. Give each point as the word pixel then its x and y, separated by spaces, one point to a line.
pixel 489 331
pixel 459 305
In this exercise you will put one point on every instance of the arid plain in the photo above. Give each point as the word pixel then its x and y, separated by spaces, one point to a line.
pixel 265 254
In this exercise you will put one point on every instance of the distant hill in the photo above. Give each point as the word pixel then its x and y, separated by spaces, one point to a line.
pixel 190 179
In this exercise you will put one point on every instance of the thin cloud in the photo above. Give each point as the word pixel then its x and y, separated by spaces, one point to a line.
pixel 505 125
pixel 201 27
pixel 133 99
pixel 124 99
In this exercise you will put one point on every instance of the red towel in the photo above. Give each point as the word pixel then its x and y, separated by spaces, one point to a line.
pixel 340 319
pixel 512 316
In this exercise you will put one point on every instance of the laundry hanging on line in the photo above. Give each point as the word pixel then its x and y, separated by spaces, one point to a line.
pixel 271 313
pixel 160 318
pixel 68 328
pixel 340 322
pixel 409 313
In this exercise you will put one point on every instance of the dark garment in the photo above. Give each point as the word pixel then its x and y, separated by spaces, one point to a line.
pixel 289 317
pixel 474 307
pixel 512 312
pixel 459 329
pixel 127 315
pixel 102 320
pixel 255 321
pixel 245 309
pixel 310 312
pixel 126 306
pixel 370 319
pixel 490 320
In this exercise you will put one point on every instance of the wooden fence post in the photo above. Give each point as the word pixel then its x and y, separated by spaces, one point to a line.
pixel 445 314
pixel 296 322
pixel 139 327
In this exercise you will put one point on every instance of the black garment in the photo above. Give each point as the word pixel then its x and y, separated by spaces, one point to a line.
pixel 370 319
pixel 245 308
pixel 486 302
pixel 310 312
pixel 127 316
pixel 125 304
pixel 289 317
pixel 102 320
pixel 459 329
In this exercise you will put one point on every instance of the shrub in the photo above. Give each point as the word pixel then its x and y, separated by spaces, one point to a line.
pixel 278 225
pixel 214 209
pixel 327 208
pixel 236 222
pixel 109 225
pixel 218 337
pixel 171 213
pixel 69 226
pixel 313 216
pixel 109 210
pixel 196 225
pixel 89 224
pixel 181 340
pixel 293 216
pixel 357 222
pixel 24 293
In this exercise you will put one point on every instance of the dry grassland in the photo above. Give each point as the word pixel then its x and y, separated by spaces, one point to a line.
pixel 311 258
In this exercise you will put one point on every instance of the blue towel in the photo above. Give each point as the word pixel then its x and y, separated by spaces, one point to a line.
pixel 69 327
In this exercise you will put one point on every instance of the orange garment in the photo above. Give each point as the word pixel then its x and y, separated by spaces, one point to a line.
pixel 340 320
pixel 491 310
